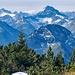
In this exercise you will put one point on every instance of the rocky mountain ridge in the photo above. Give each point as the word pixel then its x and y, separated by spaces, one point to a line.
pixel 47 27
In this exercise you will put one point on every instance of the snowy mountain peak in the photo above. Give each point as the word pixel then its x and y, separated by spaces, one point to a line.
pixel 49 11
pixel 4 10
pixel 49 8
pixel 53 35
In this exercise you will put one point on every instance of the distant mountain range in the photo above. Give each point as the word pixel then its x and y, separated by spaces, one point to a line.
pixel 47 27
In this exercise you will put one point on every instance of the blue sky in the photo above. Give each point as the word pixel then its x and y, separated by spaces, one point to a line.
pixel 26 5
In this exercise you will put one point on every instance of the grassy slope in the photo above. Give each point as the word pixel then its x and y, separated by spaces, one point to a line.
pixel 70 73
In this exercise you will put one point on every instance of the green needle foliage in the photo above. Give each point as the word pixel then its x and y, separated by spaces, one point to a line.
pixel 18 57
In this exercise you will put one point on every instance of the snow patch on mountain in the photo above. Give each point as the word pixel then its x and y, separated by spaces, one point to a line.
pixel 57 20
pixel 44 20
pixel 33 26
pixel 4 13
pixel 31 12
pixel 12 15
pixel 62 17
pixel 58 37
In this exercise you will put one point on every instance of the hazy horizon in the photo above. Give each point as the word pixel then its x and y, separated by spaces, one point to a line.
pixel 37 5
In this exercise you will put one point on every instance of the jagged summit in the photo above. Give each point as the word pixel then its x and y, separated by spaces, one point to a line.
pixel 56 35
pixel 4 10
pixel 50 11
pixel 50 8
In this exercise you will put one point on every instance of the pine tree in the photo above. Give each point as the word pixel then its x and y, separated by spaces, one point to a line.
pixel 24 56
pixel 22 40
pixel 1 58
pixel 72 62
pixel 50 61
pixel 43 64
pixel 72 58
pixel 59 63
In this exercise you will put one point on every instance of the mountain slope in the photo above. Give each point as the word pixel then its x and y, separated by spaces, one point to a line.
pixel 58 37
pixel 29 22
pixel 7 34
pixel 44 35
pixel 49 11
pixel 20 20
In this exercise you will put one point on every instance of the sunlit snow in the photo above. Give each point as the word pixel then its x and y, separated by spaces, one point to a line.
pixel 44 20
pixel 60 16
pixel 12 15
pixel 3 14
pixel 58 20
